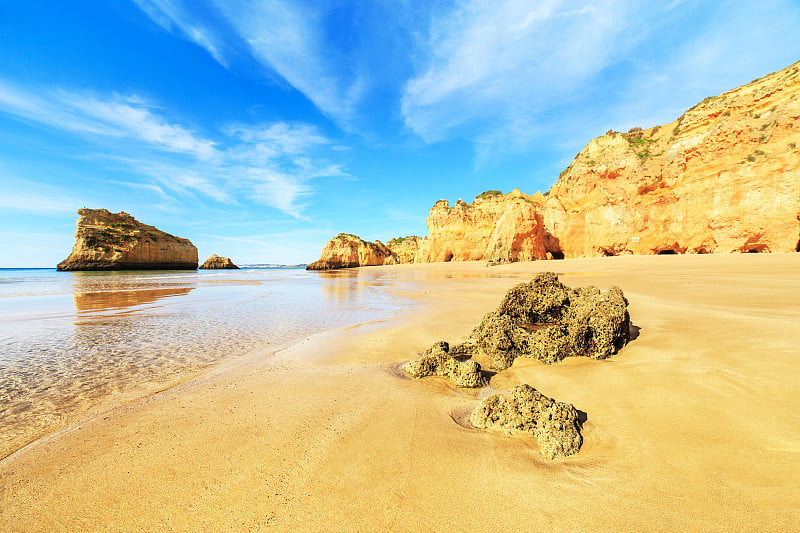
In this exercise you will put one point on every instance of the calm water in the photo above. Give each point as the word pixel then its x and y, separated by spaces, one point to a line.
pixel 73 341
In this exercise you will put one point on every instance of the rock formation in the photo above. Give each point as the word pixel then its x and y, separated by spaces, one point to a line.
pixel 117 241
pixel 546 320
pixel 543 319
pixel 555 425
pixel 404 248
pixel 346 251
pixel 216 262
pixel 724 177
pixel 438 361
pixel 495 226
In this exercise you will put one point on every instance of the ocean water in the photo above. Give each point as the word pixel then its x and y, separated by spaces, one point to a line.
pixel 73 342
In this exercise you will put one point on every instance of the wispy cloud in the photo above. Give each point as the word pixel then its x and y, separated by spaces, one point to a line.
pixel 505 75
pixel 271 163
pixel 511 74
pixel 498 64
pixel 174 17
pixel 339 55
pixel 127 117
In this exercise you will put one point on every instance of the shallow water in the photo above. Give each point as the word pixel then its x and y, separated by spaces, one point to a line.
pixel 73 342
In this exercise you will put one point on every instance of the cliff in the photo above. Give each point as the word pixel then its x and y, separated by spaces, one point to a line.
pixel 215 262
pixel 495 226
pixel 117 241
pixel 346 251
pixel 724 177
pixel 405 248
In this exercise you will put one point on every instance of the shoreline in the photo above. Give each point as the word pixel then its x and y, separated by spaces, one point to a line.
pixel 691 424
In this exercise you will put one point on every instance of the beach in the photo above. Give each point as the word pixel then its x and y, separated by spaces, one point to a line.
pixel 694 425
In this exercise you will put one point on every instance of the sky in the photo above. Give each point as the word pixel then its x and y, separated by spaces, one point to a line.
pixel 260 129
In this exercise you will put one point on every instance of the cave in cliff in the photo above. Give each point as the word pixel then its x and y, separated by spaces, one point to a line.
pixel 668 251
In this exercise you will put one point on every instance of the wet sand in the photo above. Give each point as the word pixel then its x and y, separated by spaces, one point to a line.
pixel 695 425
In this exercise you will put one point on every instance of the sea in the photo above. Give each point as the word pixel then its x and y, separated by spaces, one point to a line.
pixel 75 343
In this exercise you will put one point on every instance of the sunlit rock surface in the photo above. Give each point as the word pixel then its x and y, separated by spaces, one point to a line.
pixel 117 241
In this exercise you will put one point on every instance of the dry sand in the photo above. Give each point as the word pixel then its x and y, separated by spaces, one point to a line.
pixel 695 425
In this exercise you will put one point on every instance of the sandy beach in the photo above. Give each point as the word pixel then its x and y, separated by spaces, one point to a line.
pixel 695 425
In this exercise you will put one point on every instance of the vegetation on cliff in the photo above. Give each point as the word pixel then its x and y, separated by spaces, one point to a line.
pixel 117 241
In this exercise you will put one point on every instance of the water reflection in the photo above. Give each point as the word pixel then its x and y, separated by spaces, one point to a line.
pixel 111 333
pixel 115 300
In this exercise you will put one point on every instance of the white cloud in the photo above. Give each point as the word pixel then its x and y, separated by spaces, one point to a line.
pixel 301 42
pixel 271 163
pixel 116 116
pixel 289 38
pixel 174 17
pixel 500 63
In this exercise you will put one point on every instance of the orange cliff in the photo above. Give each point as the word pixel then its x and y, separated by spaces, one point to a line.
pixel 495 226
pixel 117 241
pixel 346 250
pixel 724 177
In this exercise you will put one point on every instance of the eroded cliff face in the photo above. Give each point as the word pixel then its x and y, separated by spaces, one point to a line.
pixel 117 241
pixel 405 248
pixel 494 227
pixel 724 177
pixel 346 251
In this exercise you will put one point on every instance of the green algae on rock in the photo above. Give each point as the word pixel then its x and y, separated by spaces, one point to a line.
pixel 117 241
pixel 546 320
pixel 556 425
pixel 439 361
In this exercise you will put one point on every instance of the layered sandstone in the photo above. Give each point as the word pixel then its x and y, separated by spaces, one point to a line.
pixel 724 177
pixel 494 227
pixel 117 241
pixel 347 251
pixel 216 262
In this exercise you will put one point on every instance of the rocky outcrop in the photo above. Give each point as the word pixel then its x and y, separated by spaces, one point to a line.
pixel 405 248
pixel 438 361
pixel 216 262
pixel 347 251
pixel 494 227
pixel 555 425
pixel 724 177
pixel 546 320
pixel 117 241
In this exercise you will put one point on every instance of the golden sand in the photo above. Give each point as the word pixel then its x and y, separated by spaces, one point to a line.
pixel 695 425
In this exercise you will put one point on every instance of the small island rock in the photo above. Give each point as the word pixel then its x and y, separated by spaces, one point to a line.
pixel 117 241
pixel 216 262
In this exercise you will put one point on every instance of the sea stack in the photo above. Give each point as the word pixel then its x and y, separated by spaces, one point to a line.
pixel 216 262
pixel 117 241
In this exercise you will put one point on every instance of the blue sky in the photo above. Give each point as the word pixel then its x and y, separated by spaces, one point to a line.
pixel 260 129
